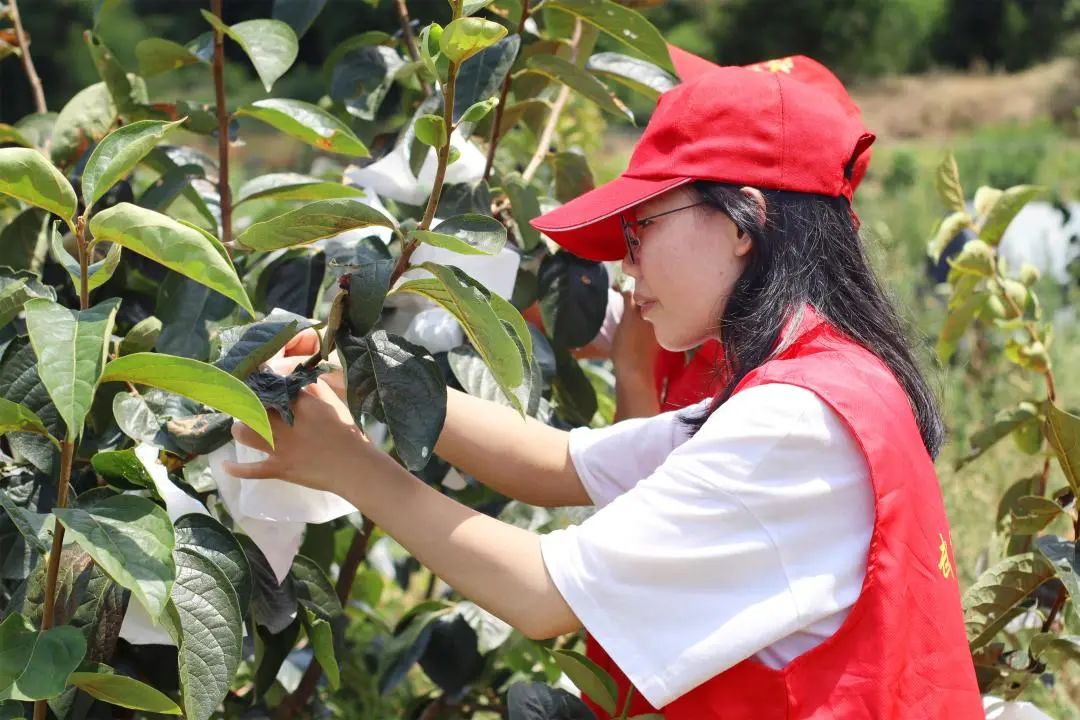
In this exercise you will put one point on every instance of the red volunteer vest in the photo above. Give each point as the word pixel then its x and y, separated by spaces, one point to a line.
pixel 902 653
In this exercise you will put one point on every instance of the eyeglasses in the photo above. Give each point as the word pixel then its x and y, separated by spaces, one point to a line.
pixel 633 241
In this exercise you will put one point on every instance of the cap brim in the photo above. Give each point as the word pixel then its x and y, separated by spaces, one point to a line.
pixel 589 226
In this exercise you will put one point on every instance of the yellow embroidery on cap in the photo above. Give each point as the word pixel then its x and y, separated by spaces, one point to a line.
pixel 943 564
pixel 784 65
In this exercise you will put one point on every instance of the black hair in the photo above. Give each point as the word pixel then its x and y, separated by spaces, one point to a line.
pixel 806 250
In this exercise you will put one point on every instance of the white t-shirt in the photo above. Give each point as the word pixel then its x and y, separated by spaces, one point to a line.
pixel 751 538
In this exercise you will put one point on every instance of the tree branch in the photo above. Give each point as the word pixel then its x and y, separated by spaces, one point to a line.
pixel 553 119
pixel 410 39
pixel 493 142
pixel 67 451
pixel 291 705
pixel 224 193
pixel 27 61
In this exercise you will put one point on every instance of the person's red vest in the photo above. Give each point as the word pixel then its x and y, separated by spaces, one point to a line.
pixel 902 653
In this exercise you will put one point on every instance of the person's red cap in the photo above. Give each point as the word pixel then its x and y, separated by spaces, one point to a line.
pixel 737 125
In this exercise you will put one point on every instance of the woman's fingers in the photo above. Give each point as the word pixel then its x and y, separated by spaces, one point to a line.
pixel 250 471
pixel 306 342
pixel 246 436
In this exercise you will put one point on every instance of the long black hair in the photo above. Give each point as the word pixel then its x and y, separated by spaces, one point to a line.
pixel 808 251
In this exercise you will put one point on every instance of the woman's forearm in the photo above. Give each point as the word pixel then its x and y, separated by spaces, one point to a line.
pixel 494 564
pixel 523 459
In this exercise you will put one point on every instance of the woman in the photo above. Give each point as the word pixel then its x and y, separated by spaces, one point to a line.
pixel 779 550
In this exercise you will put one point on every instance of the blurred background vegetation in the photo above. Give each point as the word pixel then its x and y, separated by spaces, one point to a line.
pixel 995 81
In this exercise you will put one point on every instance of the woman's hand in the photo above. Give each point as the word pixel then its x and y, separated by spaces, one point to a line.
pixel 323 448
pixel 302 346
pixel 633 353
pixel 634 347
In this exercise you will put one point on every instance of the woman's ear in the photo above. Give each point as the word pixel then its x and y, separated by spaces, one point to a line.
pixel 759 199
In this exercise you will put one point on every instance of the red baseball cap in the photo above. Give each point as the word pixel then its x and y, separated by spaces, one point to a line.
pixel 743 125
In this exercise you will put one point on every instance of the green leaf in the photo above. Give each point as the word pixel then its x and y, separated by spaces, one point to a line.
pixel 569 74
pixel 132 539
pixel 1005 422
pixel 1064 556
pixel 271 45
pixel 71 346
pixel 589 677
pixel 205 536
pixel 963 305
pixel 23 241
pixel 573 177
pixel 948 184
pixel 299 14
pixel 478 110
pixel 87 117
pixel 127 95
pixel 189 312
pixel 307 123
pixel 17 418
pixel 273 604
pixel 118 154
pixel 293 186
pixel 25 174
pixel 574 395
pixel 573 298
pixel 469 234
pixel 471 7
pixel 321 636
pixel 466 36
pixel 36 528
pixel 400 385
pixel 245 347
pixel 16 289
pixel 206 625
pixel 98 272
pixel 314 221
pixel 1036 513
pixel 1011 202
pixel 471 304
pixel 122 469
pixel 525 206
pixel 481 77
pixel 368 285
pixel 178 246
pixel 627 26
pixel 946 231
pixel 1066 646
pixel 124 691
pixel 475 377
pixel 196 380
pixel 141 337
pixel 362 76
pixel 1062 431
pixel 995 597
pixel 431 130
pixel 157 55
pixel 537 701
pixel 33 665
pixel 641 76
pixel 10 135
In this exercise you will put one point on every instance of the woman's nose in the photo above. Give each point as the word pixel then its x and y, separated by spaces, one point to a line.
pixel 629 267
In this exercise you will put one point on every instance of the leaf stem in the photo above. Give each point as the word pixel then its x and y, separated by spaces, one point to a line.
pixel 223 130
pixel 626 706
pixel 84 260
pixel 67 451
pixel 27 61
pixel 553 119
pixel 440 170
pixel 493 142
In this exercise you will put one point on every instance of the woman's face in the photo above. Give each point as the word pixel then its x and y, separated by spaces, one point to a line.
pixel 685 267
